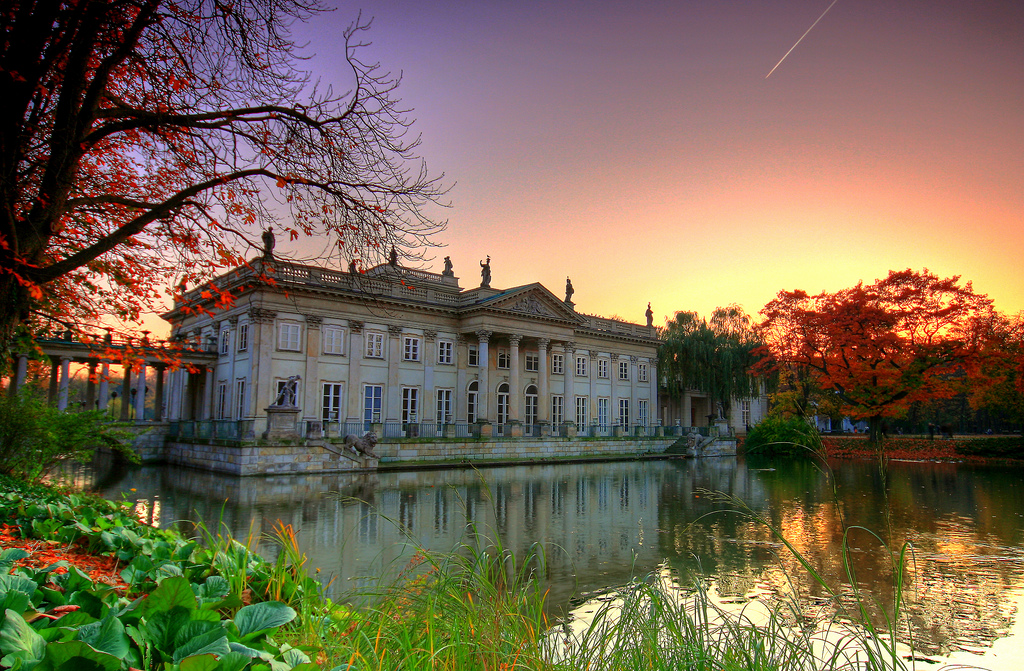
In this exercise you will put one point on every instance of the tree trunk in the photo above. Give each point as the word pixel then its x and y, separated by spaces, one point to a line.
pixel 875 431
pixel 14 307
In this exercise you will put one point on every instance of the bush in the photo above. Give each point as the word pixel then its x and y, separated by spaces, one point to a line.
pixel 35 436
pixel 777 435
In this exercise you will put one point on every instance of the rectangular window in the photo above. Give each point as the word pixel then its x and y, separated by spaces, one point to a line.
pixel 374 345
pixel 624 411
pixel 243 337
pixel 745 412
pixel 641 372
pixel 411 348
pixel 582 403
pixel 331 406
pixel 557 409
pixel 445 352
pixel 474 356
pixel 623 370
pixel 334 340
pixel 373 398
pixel 225 341
pixel 223 409
pixel 444 406
pixel 602 411
pixel 471 404
pixel 410 404
pixel 288 336
pixel 504 361
pixel 532 362
pixel 602 368
pixel 641 412
pixel 240 398
pixel 581 366
pixel 557 364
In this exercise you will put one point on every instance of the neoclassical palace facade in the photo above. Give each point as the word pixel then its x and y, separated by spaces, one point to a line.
pixel 408 348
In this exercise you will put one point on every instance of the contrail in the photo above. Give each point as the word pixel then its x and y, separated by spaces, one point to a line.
pixel 800 40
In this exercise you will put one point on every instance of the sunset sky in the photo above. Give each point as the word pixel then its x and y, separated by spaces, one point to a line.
pixel 638 147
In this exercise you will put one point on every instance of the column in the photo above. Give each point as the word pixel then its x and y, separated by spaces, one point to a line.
pixel 232 349
pixel 51 396
pixel 485 362
pixel 65 382
pixel 312 373
pixel 355 374
pixel 104 386
pixel 208 394
pixel 569 369
pixel 158 399
pixel 393 411
pixel 261 349
pixel 592 410
pixel 543 394
pixel 461 379
pixel 21 372
pixel 515 393
pixel 652 376
pixel 613 375
pixel 428 404
pixel 140 393
pixel 126 393
pixel 90 387
pixel 633 405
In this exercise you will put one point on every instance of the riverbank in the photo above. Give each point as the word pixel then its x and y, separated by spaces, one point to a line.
pixel 970 449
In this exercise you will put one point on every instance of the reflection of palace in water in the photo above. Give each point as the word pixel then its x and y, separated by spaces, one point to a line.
pixel 602 524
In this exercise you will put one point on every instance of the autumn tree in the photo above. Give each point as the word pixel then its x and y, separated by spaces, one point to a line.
pixel 715 356
pixel 908 337
pixel 148 142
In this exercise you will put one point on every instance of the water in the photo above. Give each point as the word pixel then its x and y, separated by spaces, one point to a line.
pixel 603 523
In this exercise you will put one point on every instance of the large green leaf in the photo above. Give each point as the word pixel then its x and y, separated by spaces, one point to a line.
pixel 211 643
pixel 19 641
pixel 206 662
pixel 172 592
pixel 107 635
pixel 259 617
pixel 77 656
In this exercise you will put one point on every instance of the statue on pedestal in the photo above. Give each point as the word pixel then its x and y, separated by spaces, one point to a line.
pixel 650 315
pixel 268 244
pixel 569 291
pixel 448 272
pixel 485 273
pixel 289 394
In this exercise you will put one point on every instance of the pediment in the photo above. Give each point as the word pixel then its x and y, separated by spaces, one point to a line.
pixel 532 301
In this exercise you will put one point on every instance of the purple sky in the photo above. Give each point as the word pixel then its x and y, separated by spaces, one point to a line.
pixel 638 148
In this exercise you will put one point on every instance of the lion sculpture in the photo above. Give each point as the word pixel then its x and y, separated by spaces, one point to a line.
pixel 363 444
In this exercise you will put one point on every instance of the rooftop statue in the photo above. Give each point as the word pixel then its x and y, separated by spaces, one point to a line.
pixel 268 244
pixel 569 291
pixel 485 273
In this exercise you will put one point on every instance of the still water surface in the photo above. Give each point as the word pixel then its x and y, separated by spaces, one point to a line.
pixel 603 523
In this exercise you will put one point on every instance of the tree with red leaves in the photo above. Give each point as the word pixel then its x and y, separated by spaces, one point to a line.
pixel 908 337
pixel 144 143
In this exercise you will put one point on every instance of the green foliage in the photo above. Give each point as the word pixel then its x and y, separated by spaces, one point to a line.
pixel 35 436
pixel 783 435
pixel 716 357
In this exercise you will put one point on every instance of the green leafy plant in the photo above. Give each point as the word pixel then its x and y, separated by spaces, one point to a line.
pixel 783 435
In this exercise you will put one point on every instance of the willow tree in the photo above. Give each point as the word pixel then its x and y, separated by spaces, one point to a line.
pixel 145 142
pixel 716 356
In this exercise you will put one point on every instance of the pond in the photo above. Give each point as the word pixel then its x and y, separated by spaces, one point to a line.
pixel 603 523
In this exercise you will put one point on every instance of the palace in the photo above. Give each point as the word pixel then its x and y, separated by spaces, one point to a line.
pixel 413 351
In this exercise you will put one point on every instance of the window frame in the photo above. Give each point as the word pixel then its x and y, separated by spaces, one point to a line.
pixel 410 404
pixel 503 360
pixel 338 394
pixel 602 368
pixel 534 359
pixel 411 348
pixel 557 364
pixel 557 409
pixel 445 353
pixel 581 366
pixel 624 371
pixel 473 356
pixel 285 343
pixel 339 340
pixel 243 337
pixel 373 345
pixel 641 372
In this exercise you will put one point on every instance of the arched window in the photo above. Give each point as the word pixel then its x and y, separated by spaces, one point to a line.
pixel 503 403
pixel 471 401
pixel 530 411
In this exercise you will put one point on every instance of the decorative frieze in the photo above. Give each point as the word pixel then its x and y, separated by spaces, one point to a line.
pixel 314 321
pixel 262 316
pixel 356 326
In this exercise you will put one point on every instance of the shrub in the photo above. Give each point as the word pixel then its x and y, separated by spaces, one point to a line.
pixel 35 436
pixel 1005 448
pixel 778 435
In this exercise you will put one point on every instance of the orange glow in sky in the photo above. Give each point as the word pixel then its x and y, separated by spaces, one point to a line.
pixel 639 149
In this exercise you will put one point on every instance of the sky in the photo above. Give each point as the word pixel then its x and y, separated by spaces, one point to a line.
pixel 638 147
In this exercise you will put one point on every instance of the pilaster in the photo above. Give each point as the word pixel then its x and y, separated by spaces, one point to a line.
pixel 484 394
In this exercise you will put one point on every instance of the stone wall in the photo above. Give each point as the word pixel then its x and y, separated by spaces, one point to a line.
pixel 299 458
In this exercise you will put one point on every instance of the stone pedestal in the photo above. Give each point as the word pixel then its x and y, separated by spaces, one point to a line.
pixel 569 430
pixel 723 427
pixel 449 431
pixel 617 431
pixel 545 429
pixel 281 423
pixel 515 429
pixel 486 430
